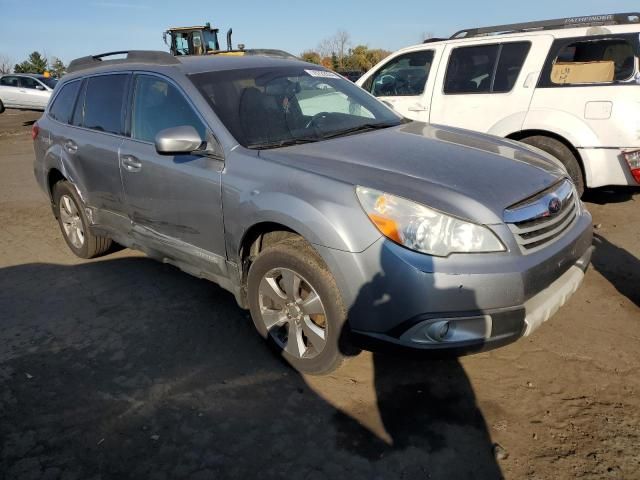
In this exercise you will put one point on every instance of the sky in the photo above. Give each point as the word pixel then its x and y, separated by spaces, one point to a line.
pixel 72 28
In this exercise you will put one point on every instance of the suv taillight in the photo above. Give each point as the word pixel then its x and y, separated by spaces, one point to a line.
pixel 35 130
pixel 633 160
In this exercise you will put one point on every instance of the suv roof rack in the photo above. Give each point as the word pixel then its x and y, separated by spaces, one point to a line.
pixel 155 57
pixel 559 23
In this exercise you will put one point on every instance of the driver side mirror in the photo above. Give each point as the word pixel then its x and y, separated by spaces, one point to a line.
pixel 39 87
pixel 178 140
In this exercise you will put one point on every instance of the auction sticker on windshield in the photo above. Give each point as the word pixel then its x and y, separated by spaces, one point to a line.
pixel 322 74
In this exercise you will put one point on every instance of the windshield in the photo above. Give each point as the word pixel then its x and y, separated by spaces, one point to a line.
pixel 49 82
pixel 278 106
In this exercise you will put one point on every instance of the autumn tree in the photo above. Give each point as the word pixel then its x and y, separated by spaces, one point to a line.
pixel 311 57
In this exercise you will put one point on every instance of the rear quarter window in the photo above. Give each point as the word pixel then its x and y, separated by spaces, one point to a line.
pixel 591 61
pixel 62 107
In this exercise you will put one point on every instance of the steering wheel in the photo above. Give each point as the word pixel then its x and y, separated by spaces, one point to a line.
pixel 315 118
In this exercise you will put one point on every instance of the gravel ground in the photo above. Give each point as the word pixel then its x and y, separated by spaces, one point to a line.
pixel 122 367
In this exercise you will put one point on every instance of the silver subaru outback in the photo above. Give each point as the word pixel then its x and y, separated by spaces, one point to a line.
pixel 337 223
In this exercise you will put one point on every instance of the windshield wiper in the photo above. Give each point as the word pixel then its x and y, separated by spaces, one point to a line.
pixel 283 143
pixel 360 128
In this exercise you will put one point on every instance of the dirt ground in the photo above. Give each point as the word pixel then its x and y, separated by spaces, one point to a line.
pixel 122 367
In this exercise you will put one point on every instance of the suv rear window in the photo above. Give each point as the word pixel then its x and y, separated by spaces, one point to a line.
pixel 594 61
pixel 103 103
pixel 474 70
pixel 64 102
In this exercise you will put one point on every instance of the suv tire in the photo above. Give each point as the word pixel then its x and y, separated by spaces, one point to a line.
pixel 74 225
pixel 561 152
pixel 1 107
pixel 288 285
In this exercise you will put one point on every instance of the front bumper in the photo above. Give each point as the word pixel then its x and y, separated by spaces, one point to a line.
pixel 398 299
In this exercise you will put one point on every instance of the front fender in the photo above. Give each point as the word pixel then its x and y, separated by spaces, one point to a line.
pixel 324 211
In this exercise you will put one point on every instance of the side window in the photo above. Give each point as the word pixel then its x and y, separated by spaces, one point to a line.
pixel 594 61
pixel 405 75
pixel 63 104
pixel 28 82
pixel 8 81
pixel 103 103
pixel 512 57
pixel 470 69
pixel 485 68
pixel 157 105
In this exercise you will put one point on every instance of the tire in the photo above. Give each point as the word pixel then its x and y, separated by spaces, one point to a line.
pixel 74 224
pixel 1 107
pixel 562 153
pixel 268 273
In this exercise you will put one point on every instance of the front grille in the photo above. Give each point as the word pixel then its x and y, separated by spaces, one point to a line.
pixel 533 222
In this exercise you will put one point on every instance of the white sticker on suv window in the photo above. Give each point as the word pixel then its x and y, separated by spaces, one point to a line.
pixel 322 74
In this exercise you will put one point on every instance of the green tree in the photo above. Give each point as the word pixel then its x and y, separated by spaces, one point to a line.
pixel 36 63
pixel 58 68
pixel 335 64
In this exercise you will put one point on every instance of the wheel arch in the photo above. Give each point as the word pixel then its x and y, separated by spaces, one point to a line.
pixel 522 134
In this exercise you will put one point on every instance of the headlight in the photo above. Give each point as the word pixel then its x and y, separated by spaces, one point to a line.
pixel 423 229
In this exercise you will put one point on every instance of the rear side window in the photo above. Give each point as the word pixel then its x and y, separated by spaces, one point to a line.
pixel 485 68
pixel 405 75
pixel 62 107
pixel 9 81
pixel 103 103
pixel 158 105
pixel 594 61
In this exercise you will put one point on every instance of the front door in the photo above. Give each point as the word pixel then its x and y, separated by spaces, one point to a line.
pixel 403 83
pixel 34 93
pixel 174 201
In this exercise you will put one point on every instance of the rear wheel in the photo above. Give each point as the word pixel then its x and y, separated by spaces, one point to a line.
pixel 563 153
pixel 295 304
pixel 1 107
pixel 74 223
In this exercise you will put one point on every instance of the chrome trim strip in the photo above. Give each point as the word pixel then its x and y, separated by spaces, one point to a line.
pixel 538 208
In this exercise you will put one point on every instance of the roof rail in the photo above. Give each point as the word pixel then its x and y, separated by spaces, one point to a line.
pixel 132 56
pixel 570 22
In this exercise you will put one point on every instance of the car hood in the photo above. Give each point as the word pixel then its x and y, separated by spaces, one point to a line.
pixel 463 173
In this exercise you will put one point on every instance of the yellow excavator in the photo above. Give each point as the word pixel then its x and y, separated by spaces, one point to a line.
pixel 203 40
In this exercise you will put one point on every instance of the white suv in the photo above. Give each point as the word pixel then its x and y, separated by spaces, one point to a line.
pixel 570 87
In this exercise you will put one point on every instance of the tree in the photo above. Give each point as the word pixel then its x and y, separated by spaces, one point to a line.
pixel 6 64
pixel 36 63
pixel 58 68
pixel 311 57
pixel 337 44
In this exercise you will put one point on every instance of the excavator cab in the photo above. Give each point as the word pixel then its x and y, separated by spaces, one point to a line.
pixel 198 40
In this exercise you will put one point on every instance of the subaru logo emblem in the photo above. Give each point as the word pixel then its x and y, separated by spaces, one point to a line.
pixel 554 205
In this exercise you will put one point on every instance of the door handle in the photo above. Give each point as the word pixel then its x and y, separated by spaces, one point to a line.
pixel 417 108
pixel 130 163
pixel 70 146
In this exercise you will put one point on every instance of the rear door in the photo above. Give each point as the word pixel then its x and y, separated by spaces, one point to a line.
pixel 405 82
pixel 488 86
pixel 93 147
pixel 174 201
pixel 9 90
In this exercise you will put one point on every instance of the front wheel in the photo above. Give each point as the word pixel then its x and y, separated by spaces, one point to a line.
pixel 295 304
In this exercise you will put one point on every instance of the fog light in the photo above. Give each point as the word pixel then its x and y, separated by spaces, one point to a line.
pixel 438 331
pixel 633 160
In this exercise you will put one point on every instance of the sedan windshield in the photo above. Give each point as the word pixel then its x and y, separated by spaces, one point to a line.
pixel 280 106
